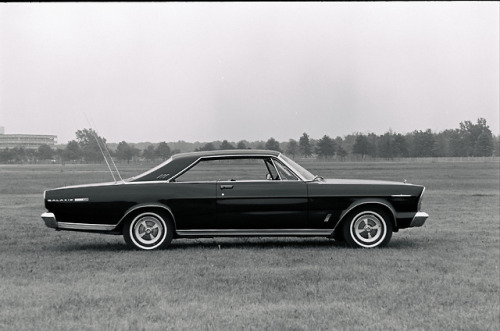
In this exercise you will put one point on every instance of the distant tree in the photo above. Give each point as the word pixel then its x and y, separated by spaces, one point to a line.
pixel 241 145
pixel 361 146
pixel 341 152
pixel 325 147
pixel 149 153
pixel 305 145
pixel 272 145
pixel 226 145
pixel 496 146
pixel 423 143
pixel 293 148
pixel 44 152
pixel 386 145
pixel 400 146
pixel 372 144
pixel 72 151
pixel 260 145
pixel 206 147
pixel 469 134
pixel 126 152
pixel 484 145
pixel 163 151
pixel 87 140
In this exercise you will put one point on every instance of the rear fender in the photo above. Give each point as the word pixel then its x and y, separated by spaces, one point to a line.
pixel 144 206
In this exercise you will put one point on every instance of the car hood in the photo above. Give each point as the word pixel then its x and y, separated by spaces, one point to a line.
pixel 362 182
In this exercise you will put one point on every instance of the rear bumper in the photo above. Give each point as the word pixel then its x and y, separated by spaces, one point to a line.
pixel 50 220
pixel 419 219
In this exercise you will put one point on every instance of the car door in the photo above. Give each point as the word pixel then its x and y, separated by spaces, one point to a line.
pixel 270 203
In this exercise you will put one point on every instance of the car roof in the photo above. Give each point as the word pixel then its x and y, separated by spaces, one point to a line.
pixel 228 153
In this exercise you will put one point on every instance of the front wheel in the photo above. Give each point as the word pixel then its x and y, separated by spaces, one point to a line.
pixel 148 231
pixel 368 229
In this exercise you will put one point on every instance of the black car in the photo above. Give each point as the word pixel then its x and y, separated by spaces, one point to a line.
pixel 236 193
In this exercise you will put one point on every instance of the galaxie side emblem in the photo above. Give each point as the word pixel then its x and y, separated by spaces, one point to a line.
pixel 69 200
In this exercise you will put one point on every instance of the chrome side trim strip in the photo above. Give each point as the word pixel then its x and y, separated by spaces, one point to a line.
pixel 401 196
pixel 255 232
pixel 86 226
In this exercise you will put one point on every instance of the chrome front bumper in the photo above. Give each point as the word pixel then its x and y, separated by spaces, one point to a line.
pixel 50 220
pixel 419 219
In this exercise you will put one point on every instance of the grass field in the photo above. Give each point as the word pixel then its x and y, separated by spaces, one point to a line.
pixel 443 276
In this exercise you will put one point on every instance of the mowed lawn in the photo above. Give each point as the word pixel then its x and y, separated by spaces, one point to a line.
pixel 443 276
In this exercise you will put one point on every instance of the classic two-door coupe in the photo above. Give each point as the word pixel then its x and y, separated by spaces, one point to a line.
pixel 236 193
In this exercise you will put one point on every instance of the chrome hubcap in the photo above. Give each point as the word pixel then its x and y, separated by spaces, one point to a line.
pixel 368 229
pixel 148 230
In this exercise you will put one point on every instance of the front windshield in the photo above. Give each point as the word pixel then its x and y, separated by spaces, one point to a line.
pixel 298 168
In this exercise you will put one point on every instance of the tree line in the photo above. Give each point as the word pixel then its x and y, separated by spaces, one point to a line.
pixel 468 140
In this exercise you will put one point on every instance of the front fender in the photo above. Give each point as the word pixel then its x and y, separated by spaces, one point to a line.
pixel 369 201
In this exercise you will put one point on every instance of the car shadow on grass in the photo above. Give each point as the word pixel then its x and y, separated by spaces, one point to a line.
pixel 233 243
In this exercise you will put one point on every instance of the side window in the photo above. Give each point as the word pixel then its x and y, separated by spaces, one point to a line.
pixel 227 169
pixel 285 173
pixel 202 171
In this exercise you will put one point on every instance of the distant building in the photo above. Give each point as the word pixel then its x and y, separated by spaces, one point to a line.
pixel 26 141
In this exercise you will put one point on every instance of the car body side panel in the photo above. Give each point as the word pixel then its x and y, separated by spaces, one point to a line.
pixel 330 201
pixel 261 205
pixel 192 204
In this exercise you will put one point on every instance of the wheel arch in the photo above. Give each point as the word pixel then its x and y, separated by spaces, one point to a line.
pixel 365 203
pixel 146 207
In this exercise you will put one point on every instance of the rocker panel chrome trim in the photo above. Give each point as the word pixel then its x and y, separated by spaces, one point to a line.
pixel 85 226
pixel 255 232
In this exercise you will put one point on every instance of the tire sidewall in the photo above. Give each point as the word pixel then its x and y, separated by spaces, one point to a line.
pixel 163 240
pixel 357 241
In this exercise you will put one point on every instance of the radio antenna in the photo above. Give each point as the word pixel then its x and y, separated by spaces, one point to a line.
pixel 104 148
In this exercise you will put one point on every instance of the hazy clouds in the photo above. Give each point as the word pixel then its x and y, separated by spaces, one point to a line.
pixel 207 71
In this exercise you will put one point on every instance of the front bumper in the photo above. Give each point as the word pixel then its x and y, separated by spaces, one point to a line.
pixel 50 220
pixel 419 219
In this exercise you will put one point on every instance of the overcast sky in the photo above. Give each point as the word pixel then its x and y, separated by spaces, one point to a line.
pixel 213 71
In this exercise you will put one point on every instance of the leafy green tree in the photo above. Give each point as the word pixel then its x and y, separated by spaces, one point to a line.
pixel 272 145
pixel 305 145
pixel 163 151
pixel 293 148
pixel 325 147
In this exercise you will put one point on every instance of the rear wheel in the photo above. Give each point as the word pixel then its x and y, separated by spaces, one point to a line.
pixel 148 230
pixel 368 229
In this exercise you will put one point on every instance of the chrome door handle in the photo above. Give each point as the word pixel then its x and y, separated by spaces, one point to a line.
pixel 226 187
